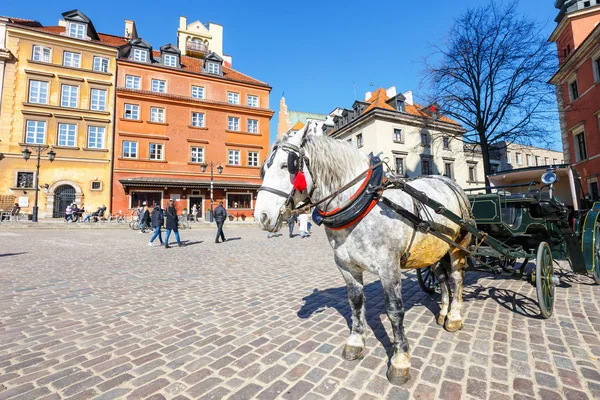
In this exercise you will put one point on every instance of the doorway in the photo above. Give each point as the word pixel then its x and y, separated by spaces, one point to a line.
pixel 199 202
pixel 64 196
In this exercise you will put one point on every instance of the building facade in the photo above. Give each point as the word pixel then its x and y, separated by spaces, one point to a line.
pixel 577 38
pixel 58 92
pixel 293 120
pixel 514 155
pixel 176 113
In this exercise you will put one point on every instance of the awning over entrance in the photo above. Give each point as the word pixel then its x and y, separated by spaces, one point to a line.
pixel 184 183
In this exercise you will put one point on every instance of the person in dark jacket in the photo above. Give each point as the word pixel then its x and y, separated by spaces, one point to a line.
pixel 157 219
pixel 144 220
pixel 291 222
pixel 220 215
pixel 172 223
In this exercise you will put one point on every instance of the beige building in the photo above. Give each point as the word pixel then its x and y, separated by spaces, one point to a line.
pixel 197 39
pixel 513 156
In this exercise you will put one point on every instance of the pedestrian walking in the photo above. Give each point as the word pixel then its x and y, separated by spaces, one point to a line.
pixel 220 215
pixel 144 220
pixel 291 222
pixel 172 224
pixel 303 218
pixel 157 219
pixel 195 213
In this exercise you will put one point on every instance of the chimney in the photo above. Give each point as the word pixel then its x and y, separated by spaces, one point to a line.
pixel 183 23
pixel 62 22
pixel 409 97
pixel 368 95
pixel 130 29
pixel 391 91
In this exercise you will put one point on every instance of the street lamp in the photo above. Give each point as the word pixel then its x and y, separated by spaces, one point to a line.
pixel 203 167
pixel 39 149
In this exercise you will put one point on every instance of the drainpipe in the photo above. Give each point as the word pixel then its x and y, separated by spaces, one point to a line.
pixel 114 132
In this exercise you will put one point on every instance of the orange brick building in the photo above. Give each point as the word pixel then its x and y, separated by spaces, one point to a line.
pixel 577 39
pixel 174 113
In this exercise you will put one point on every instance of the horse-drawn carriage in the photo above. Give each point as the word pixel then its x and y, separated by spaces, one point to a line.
pixel 536 213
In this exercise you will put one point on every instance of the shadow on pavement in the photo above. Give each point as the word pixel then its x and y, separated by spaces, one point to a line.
pixel 12 254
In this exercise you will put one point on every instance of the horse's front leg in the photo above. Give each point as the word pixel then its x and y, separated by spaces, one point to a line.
pixel 399 371
pixel 356 342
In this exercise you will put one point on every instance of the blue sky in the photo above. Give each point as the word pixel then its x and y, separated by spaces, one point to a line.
pixel 311 50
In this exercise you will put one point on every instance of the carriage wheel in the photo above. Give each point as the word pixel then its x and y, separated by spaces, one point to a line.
pixel 427 279
pixel 596 249
pixel 544 285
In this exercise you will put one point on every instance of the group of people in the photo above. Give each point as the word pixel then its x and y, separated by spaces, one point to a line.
pixel 73 212
pixel 300 219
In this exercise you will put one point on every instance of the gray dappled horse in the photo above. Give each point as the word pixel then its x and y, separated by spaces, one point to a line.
pixel 383 242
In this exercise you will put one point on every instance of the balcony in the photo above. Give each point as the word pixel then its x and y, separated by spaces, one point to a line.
pixel 195 47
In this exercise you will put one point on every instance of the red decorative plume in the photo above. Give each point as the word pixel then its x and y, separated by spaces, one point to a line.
pixel 432 109
pixel 300 182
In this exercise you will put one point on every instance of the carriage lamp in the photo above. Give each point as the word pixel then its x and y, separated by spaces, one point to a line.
pixel 51 155
pixel 549 177
pixel 220 169
pixel 26 153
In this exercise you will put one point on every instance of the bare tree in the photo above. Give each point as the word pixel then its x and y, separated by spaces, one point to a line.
pixel 491 75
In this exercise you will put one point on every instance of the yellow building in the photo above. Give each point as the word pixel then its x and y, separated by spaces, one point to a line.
pixel 59 88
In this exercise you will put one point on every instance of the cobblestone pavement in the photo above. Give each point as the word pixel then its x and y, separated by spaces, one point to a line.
pixel 99 314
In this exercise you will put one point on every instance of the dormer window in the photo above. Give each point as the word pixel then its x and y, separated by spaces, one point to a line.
pixel 213 68
pixel 140 55
pixel 76 30
pixel 170 60
pixel 400 106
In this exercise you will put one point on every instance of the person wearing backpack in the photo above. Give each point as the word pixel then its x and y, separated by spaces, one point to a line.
pixel 172 223
pixel 157 219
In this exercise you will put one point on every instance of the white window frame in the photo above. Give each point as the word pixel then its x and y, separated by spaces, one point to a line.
pixel 78 32
pixel 157 114
pixel 71 59
pixel 140 55
pixel 474 169
pixel 198 119
pixel 199 92
pixel 403 172
pixel 359 140
pixel 100 133
pixel 36 130
pixel 134 110
pixel 198 153
pixel 24 172
pixel 233 124
pixel 159 86
pixel 70 98
pixel 596 67
pixel 397 131
pixel 100 64
pixel 252 125
pixel 519 158
pixel 528 159
pixel 44 54
pixel 233 98
pixel 36 92
pixel 98 99
pixel 451 164
pixel 170 57
pixel 133 82
pixel 213 68
pixel 508 158
pixel 231 206
pixel 538 160
pixel 572 97
pixel 234 155
pixel 98 189
pixel 65 131
pixel 547 160
pixel 160 151
pixel 253 101
pixel 253 157
pixel 132 151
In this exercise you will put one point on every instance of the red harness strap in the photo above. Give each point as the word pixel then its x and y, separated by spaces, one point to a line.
pixel 360 217
pixel 354 196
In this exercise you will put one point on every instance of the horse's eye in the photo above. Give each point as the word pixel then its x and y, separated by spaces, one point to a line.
pixel 284 166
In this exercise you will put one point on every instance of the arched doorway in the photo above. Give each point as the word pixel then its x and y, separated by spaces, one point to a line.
pixel 64 195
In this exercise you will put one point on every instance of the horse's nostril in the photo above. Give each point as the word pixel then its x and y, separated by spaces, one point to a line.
pixel 264 218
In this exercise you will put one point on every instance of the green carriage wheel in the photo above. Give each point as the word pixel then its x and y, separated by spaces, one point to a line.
pixel 544 284
pixel 596 250
pixel 427 279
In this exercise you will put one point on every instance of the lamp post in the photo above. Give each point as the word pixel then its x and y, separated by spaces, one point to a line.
pixel 39 149
pixel 203 167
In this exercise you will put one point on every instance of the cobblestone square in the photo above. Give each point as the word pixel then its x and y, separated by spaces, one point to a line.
pixel 96 313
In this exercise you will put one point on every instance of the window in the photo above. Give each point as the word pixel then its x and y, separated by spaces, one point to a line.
pixel 519 159
pixel 213 68
pixel 399 163
pixel 446 142
pixel 555 161
pixel 96 185
pixel 159 86
pixel 76 30
pixel 252 101
pixel 25 179
pixel 233 157
pixel 242 200
pixel 150 198
pixel 538 160
pixel 41 53
pixel 197 92
pixel 424 139
pixel 96 137
pixel 233 98
pixel 66 134
pixel 157 114
pixel 448 170
pixel 197 154
pixel 472 174
pixel 98 100
pixel 508 158
pixel 596 65
pixel 156 151
pixel 233 123
pixel 38 92
pixel 253 158
pixel 132 111
pixel 594 191
pixel 573 91
pixel 71 59
pixel 132 82
pixel 198 119
pixel 398 135
pixel 36 132
pixel 129 149
pixel 170 60
pixel 140 55
pixel 425 170
pixel 69 96
pixel 100 64
pixel 253 125
pixel 359 140
pixel 547 161
pixel 528 158
pixel 580 150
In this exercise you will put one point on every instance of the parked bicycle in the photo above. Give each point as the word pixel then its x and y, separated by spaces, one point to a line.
pixel 118 218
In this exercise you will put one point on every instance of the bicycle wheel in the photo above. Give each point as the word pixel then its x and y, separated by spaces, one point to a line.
pixel 184 224
pixel 134 225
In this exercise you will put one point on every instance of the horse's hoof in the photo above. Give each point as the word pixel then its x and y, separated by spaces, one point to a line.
pixel 453 326
pixel 398 376
pixel 441 319
pixel 352 353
